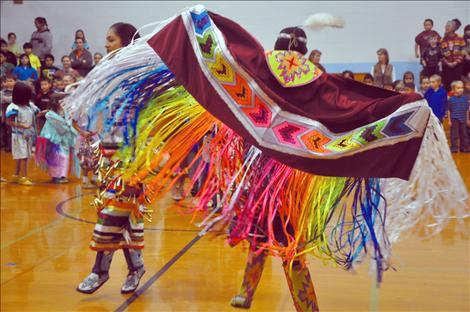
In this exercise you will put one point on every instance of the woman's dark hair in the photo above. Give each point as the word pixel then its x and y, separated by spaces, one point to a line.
pixel 49 56
pixel 45 79
pixel 368 76
pixel 42 21
pixel 21 94
pixel 408 73
pixel 467 28
pixel 457 22
pixel 384 52
pixel 3 41
pixel 27 45
pixel 429 20
pixel 80 30
pixel 125 32
pixel 55 101
pixel 347 72
pixel 395 83
pixel 292 39
pixel 25 55
pixel 11 35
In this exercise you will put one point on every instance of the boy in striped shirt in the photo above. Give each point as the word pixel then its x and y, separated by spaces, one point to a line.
pixel 458 106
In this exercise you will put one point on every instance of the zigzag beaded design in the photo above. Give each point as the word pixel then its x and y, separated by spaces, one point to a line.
pixel 288 132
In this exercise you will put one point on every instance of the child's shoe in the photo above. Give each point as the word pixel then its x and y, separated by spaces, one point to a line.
pixel 2 179
pixel 25 181
pixel 92 283
pixel 132 281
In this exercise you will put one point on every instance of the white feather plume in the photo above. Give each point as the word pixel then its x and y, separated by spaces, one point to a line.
pixel 321 20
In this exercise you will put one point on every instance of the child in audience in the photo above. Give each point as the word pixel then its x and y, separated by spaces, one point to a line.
pixel 48 70
pixel 8 83
pixel 33 58
pixel 56 142
pixel 431 57
pixel 97 58
pixel 399 86
pixel 348 74
pixel 459 117
pixel 21 117
pixel 368 79
pixel 43 100
pixel 67 68
pixel 68 80
pixel 5 67
pixel 58 85
pixel 424 85
pixel 436 96
pixel 409 87
pixel 24 71
pixel 88 161
pixel 409 78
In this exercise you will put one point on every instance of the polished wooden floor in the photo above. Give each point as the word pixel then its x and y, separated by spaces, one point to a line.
pixel 44 255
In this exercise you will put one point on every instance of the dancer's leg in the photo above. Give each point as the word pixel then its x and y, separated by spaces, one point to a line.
pixel 99 274
pixel 301 287
pixel 135 264
pixel 253 270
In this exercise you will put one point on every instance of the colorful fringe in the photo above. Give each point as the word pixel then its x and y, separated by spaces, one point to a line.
pixel 286 212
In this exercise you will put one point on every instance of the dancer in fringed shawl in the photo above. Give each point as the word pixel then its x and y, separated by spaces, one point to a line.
pixel 304 162
pixel 120 222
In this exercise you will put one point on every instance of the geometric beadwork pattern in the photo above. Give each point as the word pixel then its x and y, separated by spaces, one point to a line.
pixel 316 141
pixel 369 134
pixel 288 132
pixel 260 115
pixel 291 69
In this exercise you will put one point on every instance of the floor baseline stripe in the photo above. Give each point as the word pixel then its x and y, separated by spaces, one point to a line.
pixel 157 275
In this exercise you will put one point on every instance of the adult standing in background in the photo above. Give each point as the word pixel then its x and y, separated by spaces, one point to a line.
pixel 13 46
pixel 80 34
pixel 453 51
pixel 81 58
pixel 383 72
pixel 422 39
pixel 466 37
pixel 41 39
pixel 10 56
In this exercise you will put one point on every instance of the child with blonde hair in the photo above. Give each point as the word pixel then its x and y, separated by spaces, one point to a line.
pixel 458 108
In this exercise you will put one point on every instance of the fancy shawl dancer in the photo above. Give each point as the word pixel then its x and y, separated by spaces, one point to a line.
pixel 304 162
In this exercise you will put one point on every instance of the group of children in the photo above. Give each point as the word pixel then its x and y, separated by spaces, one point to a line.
pixel 44 129
pixel 454 104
